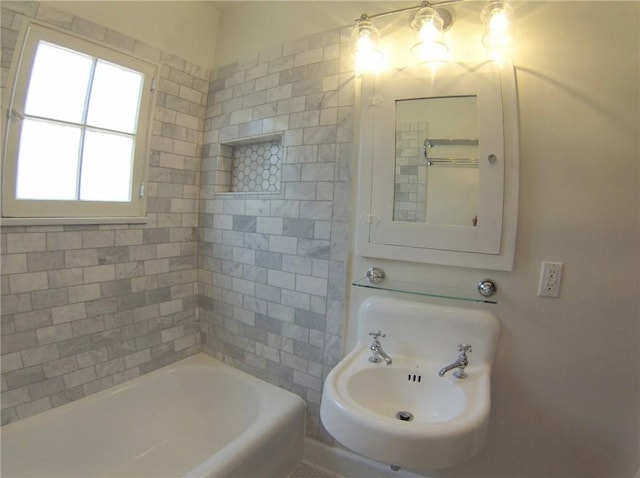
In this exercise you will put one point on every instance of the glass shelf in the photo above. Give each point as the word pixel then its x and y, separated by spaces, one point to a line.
pixel 425 290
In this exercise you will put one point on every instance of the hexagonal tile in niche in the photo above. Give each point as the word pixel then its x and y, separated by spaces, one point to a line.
pixel 255 166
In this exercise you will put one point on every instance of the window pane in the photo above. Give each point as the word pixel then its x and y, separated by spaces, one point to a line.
pixel 47 161
pixel 106 167
pixel 58 83
pixel 115 97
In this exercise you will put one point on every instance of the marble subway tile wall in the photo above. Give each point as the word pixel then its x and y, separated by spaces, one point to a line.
pixel 87 307
pixel 411 173
pixel 273 266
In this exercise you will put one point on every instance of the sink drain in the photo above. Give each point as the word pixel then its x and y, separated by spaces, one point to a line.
pixel 404 416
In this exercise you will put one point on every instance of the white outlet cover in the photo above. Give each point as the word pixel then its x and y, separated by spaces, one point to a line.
pixel 550 277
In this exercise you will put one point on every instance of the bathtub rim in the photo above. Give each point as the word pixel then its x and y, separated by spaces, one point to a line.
pixel 230 456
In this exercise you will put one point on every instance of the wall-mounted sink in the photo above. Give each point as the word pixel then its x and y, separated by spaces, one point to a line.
pixel 406 414
pixel 428 398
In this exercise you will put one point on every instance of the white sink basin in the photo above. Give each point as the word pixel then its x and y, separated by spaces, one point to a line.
pixel 405 414
pixel 427 397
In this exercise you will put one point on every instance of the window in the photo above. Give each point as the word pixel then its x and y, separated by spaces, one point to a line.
pixel 78 130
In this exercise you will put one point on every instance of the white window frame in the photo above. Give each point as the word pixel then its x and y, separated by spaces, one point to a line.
pixel 18 211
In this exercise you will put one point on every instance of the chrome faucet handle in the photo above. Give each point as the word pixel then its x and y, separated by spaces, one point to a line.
pixel 463 361
pixel 377 334
pixel 377 353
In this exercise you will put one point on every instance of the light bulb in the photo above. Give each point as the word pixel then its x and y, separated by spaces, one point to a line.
pixel 368 57
pixel 497 18
pixel 428 25
pixel 429 31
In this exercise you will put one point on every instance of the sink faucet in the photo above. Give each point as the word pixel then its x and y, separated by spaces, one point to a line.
pixel 377 354
pixel 461 363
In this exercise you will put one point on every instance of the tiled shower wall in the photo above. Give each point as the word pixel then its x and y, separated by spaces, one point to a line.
pixel 272 266
pixel 257 280
pixel 411 173
pixel 87 307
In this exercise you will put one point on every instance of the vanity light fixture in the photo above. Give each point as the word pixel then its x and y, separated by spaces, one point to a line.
pixel 429 26
pixel 497 18
pixel 366 37
pixel 429 23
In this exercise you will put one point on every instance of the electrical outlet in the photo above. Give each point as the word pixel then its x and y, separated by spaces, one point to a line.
pixel 550 276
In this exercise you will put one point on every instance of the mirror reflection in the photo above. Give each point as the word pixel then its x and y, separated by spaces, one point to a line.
pixel 436 166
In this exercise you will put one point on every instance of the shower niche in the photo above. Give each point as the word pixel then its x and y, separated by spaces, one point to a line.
pixel 250 165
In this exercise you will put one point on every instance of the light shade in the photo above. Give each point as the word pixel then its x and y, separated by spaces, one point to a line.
pixel 428 26
pixel 497 18
pixel 366 38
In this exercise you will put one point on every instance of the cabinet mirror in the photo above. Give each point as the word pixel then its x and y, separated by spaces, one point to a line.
pixel 437 173
pixel 439 166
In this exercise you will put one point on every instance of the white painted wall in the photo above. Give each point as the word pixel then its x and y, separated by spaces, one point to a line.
pixel 250 27
pixel 271 23
pixel 565 390
pixel 187 29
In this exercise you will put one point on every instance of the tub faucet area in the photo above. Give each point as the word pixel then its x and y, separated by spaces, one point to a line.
pixel 377 352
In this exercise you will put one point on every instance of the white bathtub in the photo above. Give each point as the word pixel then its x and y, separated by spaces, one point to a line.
pixel 196 418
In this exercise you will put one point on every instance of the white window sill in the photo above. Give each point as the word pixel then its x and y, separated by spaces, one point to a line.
pixel 55 221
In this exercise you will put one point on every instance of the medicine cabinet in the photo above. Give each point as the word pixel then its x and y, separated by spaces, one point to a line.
pixel 438 170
